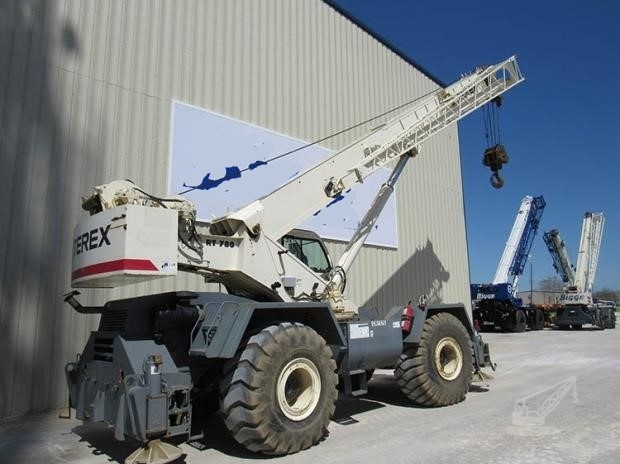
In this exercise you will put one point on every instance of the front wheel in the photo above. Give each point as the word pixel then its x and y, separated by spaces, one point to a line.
pixel 439 371
pixel 278 395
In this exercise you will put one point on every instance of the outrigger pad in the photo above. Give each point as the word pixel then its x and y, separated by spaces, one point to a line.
pixel 480 376
pixel 155 452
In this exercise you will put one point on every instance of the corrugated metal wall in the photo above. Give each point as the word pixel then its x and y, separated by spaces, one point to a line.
pixel 85 97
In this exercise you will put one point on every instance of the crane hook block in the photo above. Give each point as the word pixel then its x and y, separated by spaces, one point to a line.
pixel 495 157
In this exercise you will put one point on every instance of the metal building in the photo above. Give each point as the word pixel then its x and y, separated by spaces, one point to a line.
pixel 540 297
pixel 86 90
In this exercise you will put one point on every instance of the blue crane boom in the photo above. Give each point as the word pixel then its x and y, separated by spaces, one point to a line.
pixel 519 244
pixel 496 304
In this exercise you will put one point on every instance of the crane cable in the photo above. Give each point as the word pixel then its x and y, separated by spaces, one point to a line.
pixel 347 129
pixel 492 123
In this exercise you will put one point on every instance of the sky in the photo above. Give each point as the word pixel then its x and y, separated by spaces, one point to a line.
pixel 560 126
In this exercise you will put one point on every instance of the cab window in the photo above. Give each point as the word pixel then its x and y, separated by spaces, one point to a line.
pixel 308 251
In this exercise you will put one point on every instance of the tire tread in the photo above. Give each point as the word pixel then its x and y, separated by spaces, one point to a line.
pixel 414 370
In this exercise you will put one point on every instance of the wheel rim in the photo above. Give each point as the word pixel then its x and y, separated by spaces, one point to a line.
pixel 448 358
pixel 299 389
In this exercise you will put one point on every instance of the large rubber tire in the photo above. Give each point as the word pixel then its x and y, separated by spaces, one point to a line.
pixel 539 319
pixel 520 321
pixel 599 320
pixel 439 371
pixel 278 395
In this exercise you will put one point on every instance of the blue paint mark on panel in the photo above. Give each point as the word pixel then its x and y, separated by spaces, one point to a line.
pixel 336 199
pixel 232 172
pixel 256 164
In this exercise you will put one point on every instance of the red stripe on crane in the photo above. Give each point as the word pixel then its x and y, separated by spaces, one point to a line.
pixel 113 266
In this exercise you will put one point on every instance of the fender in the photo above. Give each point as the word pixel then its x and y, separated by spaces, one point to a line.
pixel 481 351
pixel 228 319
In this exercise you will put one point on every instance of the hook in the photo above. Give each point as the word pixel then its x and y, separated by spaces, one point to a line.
pixel 496 180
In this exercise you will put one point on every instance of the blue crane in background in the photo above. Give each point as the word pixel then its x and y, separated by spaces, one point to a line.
pixel 496 304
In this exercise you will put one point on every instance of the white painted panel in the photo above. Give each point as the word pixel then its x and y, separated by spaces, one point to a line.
pixel 222 164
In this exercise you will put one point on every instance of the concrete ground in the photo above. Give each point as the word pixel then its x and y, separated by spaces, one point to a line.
pixel 581 427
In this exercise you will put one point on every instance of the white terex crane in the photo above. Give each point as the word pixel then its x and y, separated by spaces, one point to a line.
pixel 496 304
pixel 578 306
pixel 589 247
pixel 275 347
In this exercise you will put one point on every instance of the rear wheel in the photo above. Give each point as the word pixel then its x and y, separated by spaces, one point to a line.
pixel 611 321
pixel 600 320
pixel 439 371
pixel 520 321
pixel 539 319
pixel 278 395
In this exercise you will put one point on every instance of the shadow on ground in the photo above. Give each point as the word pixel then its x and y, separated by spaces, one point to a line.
pixel 382 391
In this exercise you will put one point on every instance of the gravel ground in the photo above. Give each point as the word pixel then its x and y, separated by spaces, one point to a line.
pixel 536 367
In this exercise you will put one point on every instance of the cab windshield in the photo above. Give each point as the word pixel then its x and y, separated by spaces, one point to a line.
pixel 309 251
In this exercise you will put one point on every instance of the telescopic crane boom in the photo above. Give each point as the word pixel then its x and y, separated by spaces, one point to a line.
pixel 589 247
pixel 519 244
pixel 561 260
pixel 252 232
pixel 400 139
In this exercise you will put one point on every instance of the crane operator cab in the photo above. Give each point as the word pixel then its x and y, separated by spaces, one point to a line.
pixel 307 246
